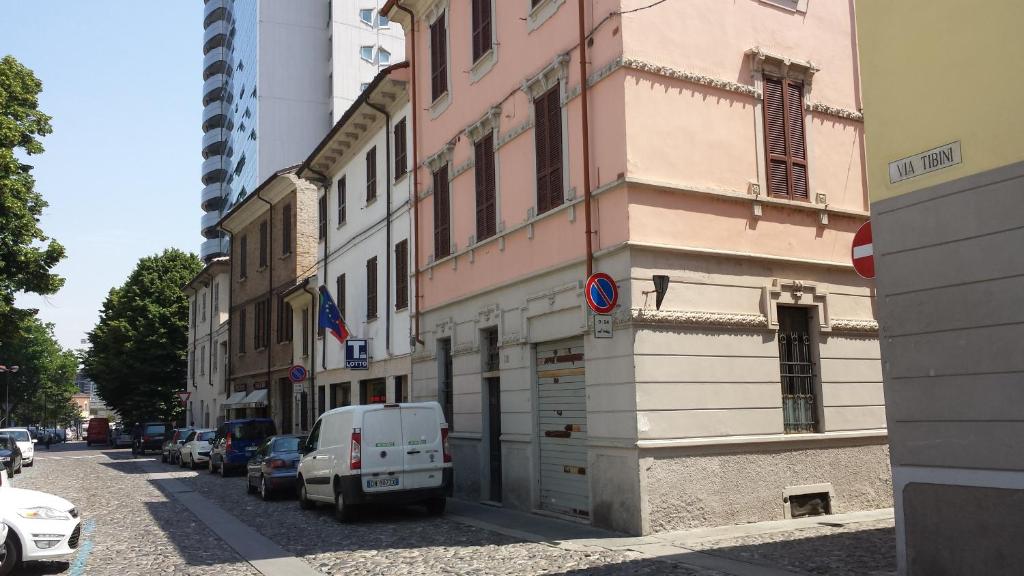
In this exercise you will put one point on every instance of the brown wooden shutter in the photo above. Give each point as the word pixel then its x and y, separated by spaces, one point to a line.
pixel 442 238
pixel 402 275
pixel 263 244
pixel 400 149
pixel 339 296
pixel 286 229
pixel 438 58
pixel 540 133
pixel 481 28
pixel 243 259
pixel 785 143
pixel 797 146
pixel 486 205
pixel 371 287
pixel 554 148
pixel 241 331
pixel 371 174
pixel 342 200
pixel 323 216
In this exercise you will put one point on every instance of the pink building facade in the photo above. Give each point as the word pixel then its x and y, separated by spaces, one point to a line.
pixel 726 153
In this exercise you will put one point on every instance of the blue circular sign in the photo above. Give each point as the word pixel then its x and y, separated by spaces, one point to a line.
pixel 297 373
pixel 601 292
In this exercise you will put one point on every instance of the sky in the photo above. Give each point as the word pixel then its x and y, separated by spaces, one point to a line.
pixel 122 81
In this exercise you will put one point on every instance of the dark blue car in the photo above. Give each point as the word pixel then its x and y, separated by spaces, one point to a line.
pixel 275 466
pixel 236 442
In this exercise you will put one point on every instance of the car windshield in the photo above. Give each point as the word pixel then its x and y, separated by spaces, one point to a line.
pixel 289 444
pixel 19 435
pixel 252 430
pixel 154 429
pixel 206 436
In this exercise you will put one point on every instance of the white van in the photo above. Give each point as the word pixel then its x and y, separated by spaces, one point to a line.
pixel 385 453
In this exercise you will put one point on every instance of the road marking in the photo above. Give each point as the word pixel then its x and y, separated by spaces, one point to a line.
pixel 84 549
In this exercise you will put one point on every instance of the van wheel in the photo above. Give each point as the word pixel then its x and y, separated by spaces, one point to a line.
pixel 11 555
pixel 304 502
pixel 343 512
pixel 435 506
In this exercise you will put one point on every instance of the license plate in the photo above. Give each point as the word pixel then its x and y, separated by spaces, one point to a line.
pixel 250 449
pixel 381 482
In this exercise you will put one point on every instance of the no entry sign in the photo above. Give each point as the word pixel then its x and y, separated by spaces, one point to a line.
pixel 863 252
pixel 602 293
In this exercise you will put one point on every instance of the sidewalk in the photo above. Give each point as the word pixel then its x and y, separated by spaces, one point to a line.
pixel 724 549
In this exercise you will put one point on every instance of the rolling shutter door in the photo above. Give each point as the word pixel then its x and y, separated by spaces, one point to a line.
pixel 562 425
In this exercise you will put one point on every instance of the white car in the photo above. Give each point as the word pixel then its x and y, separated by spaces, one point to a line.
pixel 40 526
pixel 196 450
pixel 24 441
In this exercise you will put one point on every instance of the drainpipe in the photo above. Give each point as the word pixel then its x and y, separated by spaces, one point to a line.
pixel 231 293
pixel 415 178
pixel 270 290
pixel 387 227
pixel 327 249
pixel 209 368
pixel 312 345
pixel 586 142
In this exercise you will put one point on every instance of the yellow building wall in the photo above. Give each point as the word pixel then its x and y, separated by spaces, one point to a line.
pixel 937 71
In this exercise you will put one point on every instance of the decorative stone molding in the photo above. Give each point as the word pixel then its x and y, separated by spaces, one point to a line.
pixel 512 133
pixel 765 62
pixel 489 122
pixel 692 77
pixel 859 326
pixel 538 14
pixel 458 170
pixel 698 319
pixel 489 316
pixel 827 110
pixel 796 293
pixel 442 157
pixel 548 78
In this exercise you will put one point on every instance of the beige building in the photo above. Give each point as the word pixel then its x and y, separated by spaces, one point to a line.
pixel 207 378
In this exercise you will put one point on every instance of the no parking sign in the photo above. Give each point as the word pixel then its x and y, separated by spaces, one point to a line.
pixel 602 293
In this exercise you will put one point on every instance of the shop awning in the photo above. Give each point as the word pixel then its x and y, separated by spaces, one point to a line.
pixel 255 399
pixel 233 400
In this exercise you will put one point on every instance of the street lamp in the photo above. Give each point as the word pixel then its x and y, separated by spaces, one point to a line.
pixel 7 370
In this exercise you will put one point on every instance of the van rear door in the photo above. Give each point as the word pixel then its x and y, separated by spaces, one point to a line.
pixel 424 454
pixel 381 450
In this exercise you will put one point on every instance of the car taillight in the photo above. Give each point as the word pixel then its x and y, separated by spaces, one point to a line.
pixel 227 442
pixel 145 438
pixel 355 459
pixel 275 463
pixel 445 446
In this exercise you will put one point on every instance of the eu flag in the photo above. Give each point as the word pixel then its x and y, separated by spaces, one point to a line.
pixel 330 316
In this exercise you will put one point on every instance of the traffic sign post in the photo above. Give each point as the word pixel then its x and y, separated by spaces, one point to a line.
pixel 297 373
pixel 602 293
pixel 863 252
pixel 184 396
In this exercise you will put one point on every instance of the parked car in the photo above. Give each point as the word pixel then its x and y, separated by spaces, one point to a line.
pixel 10 455
pixel 98 431
pixel 25 443
pixel 172 446
pixel 275 465
pixel 40 527
pixel 394 453
pixel 236 441
pixel 196 449
pixel 122 437
pixel 149 436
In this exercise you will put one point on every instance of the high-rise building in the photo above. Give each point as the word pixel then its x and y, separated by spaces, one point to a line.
pixel 271 90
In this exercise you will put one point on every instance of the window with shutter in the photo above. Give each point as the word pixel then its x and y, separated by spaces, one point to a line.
pixel 785 140
pixel 339 296
pixel 371 174
pixel 371 288
pixel 286 229
pixel 263 244
pixel 342 201
pixel 442 237
pixel 402 275
pixel 438 58
pixel 323 217
pixel 486 204
pixel 481 28
pixel 243 260
pixel 547 110
pixel 400 149
pixel 241 331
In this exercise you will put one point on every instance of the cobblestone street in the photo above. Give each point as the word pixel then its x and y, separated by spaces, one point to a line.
pixel 132 525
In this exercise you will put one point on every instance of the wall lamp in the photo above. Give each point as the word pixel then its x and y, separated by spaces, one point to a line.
pixel 660 288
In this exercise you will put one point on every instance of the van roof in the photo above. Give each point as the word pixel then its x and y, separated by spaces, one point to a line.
pixel 372 407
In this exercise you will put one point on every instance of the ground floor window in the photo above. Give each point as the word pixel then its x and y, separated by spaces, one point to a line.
pixel 373 391
pixel 799 405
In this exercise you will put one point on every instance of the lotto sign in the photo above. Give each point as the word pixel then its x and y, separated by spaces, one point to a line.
pixel 863 252
pixel 356 355
pixel 602 293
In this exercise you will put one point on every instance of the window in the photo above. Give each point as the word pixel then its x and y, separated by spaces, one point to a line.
pixel 366 53
pixel 481 28
pixel 784 139
pixel 204 310
pixel 323 217
pixel 373 391
pixel 402 275
pixel 438 58
pixel 241 331
pixel 305 331
pixel 444 373
pixel 194 307
pixel 799 408
pixel 383 57
pixel 216 297
pixel 339 297
pixel 547 133
pixel 213 361
pixel 202 361
pixel 383 21
pixel 371 174
pixel 371 288
pixel 366 15
pixel 264 231
pixel 442 237
pixel 491 353
pixel 286 229
pixel 342 201
pixel 364 86
pixel 486 203
pixel 261 332
pixel 401 149
pixel 284 321
pixel 243 249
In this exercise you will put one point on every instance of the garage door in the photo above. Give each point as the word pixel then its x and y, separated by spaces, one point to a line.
pixel 562 420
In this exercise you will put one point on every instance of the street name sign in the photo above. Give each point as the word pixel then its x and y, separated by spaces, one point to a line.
pixel 602 326
pixel 601 292
pixel 924 162
pixel 356 355
pixel 863 252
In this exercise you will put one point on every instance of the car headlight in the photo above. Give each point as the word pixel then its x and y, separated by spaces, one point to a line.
pixel 43 513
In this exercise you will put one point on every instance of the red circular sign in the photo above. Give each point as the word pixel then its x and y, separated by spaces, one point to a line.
pixel 863 252
pixel 601 292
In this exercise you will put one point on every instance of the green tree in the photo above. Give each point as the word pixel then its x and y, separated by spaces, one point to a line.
pixel 138 350
pixel 26 254
pixel 45 380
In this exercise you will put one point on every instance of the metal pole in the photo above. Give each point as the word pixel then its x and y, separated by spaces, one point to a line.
pixel 586 139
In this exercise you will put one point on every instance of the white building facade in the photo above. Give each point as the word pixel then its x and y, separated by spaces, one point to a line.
pixel 363 42
pixel 207 381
